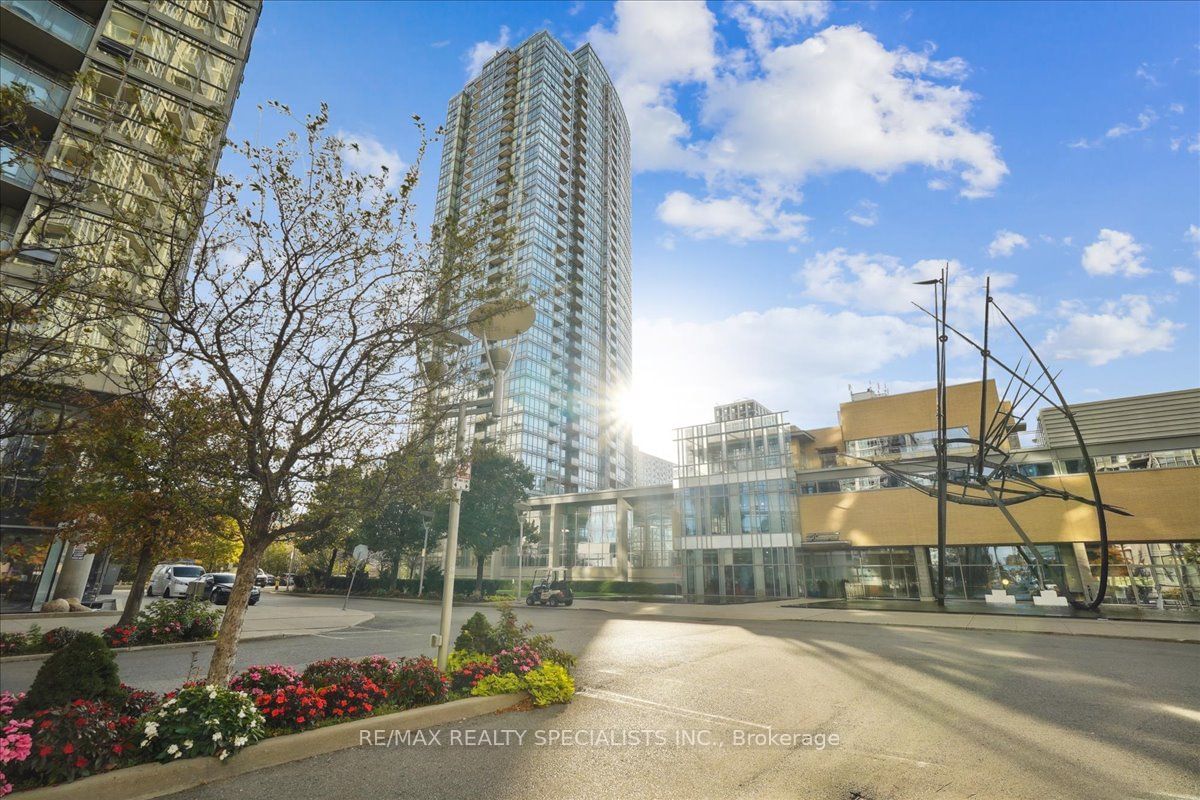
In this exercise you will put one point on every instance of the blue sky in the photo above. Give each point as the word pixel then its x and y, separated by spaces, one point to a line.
pixel 798 165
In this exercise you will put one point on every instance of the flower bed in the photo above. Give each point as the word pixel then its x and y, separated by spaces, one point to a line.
pixel 165 622
pixel 119 726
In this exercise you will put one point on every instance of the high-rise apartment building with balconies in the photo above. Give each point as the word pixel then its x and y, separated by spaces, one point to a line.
pixel 539 141
pixel 105 83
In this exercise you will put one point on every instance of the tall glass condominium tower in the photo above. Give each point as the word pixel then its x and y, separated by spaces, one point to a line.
pixel 539 138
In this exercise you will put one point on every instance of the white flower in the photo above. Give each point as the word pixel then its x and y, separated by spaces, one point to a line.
pixel 173 749
pixel 241 715
pixel 240 741
pixel 217 736
pixel 187 744
pixel 177 755
pixel 151 730
pixel 212 693
pixel 144 743
pixel 181 710
pixel 223 755
pixel 170 702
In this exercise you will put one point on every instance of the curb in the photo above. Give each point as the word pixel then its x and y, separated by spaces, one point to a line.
pixel 168 646
pixel 418 601
pixel 13 616
pixel 147 781
pixel 1195 639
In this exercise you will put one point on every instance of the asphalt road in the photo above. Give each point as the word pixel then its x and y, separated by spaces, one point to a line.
pixel 694 709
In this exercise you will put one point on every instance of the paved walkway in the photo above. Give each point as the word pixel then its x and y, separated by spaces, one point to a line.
pixel 1166 631
pixel 296 617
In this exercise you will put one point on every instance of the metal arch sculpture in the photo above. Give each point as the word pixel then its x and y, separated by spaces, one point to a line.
pixel 983 474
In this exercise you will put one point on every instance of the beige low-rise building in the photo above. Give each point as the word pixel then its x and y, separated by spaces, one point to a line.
pixel 760 508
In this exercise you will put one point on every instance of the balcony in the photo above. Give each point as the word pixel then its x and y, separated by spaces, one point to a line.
pixel 59 37
pixel 15 169
pixel 44 93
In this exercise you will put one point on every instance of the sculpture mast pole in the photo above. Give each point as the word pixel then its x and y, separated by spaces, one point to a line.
pixel 942 475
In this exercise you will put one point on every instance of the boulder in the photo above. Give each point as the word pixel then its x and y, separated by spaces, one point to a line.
pixel 55 606
pixel 75 605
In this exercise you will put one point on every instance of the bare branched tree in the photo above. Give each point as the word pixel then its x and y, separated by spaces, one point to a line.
pixel 309 300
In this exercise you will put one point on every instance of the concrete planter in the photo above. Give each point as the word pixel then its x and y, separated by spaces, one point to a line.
pixel 155 780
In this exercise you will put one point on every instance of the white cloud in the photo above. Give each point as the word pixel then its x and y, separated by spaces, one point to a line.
pixel 838 101
pixel 1143 72
pixel 480 52
pixel 1183 276
pixel 1115 252
pixel 1192 144
pixel 1125 327
pixel 1144 121
pixel 765 21
pixel 759 354
pixel 771 116
pixel 733 218
pixel 866 213
pixel 1005 243
pixel 1192 234
pixel 883 283
pixel 651 47
pixel 364 153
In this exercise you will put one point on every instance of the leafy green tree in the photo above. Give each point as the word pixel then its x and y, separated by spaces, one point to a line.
pixel 397 531
pixel 149 476
pixel 488 519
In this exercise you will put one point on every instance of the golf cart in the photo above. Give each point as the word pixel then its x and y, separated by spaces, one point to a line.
pixel 551 588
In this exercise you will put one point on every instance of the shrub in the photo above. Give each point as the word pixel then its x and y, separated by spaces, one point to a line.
pixel 264 678
pixel 418 682
pixel 201 721
pixel 77 739
pixel 470 674
pixel 477 635
pixel 14 644
pixel 329 671
pixel 84 669
pixel 354 696
pixel 460 658
pixel 177 621
pixel 550 683
pixel 518 660
pixel 290 707
pixel 543 643
pixel 498 684
pixel 58 638
pixel 380 669
pixel 120 635
pixel 138 702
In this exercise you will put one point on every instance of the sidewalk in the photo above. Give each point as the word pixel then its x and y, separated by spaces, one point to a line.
pixel 779 611
pixel 277 614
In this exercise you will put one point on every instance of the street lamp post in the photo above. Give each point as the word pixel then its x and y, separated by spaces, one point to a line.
pixel 492 322
pixel 521 507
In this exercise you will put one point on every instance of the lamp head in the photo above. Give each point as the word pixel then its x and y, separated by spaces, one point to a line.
pixel 497 320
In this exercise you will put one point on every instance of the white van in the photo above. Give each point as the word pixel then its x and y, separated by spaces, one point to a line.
pixel 171 580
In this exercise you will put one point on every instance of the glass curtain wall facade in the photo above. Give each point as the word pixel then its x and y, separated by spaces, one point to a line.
pixel 736 495
pixel 540 142
pixel 115 79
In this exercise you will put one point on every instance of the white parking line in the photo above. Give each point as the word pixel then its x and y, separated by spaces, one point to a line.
pixel 649 705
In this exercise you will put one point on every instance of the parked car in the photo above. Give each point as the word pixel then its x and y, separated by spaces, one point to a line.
pixel 171 580
pixel 219 585
pixel 264 578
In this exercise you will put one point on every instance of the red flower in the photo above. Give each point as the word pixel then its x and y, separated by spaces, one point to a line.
pixel 68 748
pixel 45 750
pixel 81 762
